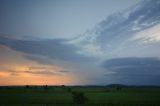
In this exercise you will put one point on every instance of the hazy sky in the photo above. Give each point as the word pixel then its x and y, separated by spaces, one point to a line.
pixel 79 42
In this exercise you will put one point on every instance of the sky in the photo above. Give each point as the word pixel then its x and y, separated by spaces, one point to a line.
pixel 79 42
pixel 55 18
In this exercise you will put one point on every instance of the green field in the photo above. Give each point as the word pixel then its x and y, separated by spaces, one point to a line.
pixel 62 96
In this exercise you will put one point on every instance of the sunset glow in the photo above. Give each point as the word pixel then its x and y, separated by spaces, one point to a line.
pixel 79 42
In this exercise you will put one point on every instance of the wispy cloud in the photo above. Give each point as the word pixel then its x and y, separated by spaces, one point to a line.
pixel 113 34
pixel 53 71
pixel 44 72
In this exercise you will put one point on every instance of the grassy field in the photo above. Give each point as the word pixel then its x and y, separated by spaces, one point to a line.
pixel 62 96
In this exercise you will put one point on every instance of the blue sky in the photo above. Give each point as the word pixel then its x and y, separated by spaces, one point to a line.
pixel 80 42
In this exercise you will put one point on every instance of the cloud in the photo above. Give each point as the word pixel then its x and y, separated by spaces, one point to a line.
pixel 44 72
pixel 9 72
pixel 109 37
pixel 33 71
pixel 148 36
pixel 117 29
pixel 116 39
pixel 38 50
pixel 64 71
pixel 43 68
pixel 133 70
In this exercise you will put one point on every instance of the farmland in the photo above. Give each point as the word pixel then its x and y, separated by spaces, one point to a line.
pixel 63 96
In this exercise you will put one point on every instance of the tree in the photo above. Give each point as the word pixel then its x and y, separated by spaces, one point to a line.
pixel 79 97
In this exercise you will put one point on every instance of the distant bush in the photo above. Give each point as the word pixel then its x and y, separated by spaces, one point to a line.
pixel 79 97
pixel 63 86
pixel 27 86
pixel 45 87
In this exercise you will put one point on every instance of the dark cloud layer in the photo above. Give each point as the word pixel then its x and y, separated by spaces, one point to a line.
pixel 134 70
pixel 51 48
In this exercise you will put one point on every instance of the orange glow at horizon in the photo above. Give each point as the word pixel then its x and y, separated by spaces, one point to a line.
pixel 17 70
pixel 35 80
pixel 20 77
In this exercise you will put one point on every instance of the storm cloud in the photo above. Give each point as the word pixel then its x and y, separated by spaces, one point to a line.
pixel 134 70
